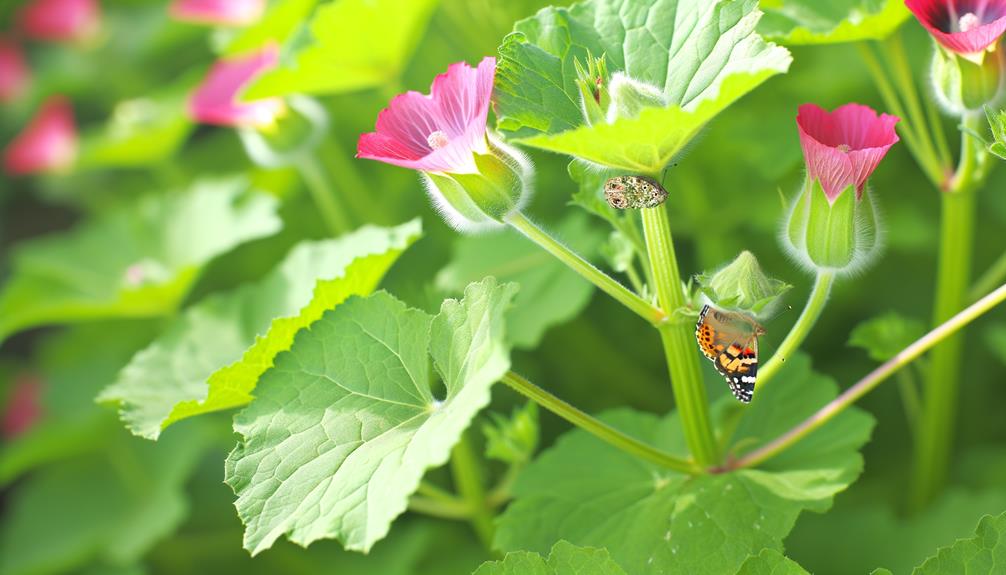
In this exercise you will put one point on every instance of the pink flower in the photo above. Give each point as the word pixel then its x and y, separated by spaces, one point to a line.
pixel 439 132
pixel 842 148
pixel 13 70
pixel 23 408
pixel 217 100
pixel 60 20
pixel 48 142
pixel 962 26
pixel 218 12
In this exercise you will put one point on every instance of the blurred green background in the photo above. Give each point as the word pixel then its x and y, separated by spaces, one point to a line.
pixel 81 495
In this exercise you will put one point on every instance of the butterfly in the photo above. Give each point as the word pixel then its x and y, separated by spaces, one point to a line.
pixel 730 340
pixel 623 192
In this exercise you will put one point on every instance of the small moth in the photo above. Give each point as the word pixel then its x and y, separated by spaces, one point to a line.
pixel 636 192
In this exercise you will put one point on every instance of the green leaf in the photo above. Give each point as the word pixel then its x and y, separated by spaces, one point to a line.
pixel 136 261
pixel 111 508
pixel 355 44
pixel 564 559
pixel 985 553
pixel 701 55
pixel 513 440
pixel 550 293
pixel 346 422
pixel 282 21
pixel 211 357
pixel 653 520
pixel 997 120
pixel 885 336
pixel 795 22
pixel 771 562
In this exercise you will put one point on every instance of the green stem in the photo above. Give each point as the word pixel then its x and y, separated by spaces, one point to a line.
pixel 804 324
pixel 908 389
pixel 992 277
pixel 939 403
pixel 317 182
pixel 871 381
pixel 468 480
pixel 606 283
pixel 678 340
pixel 909 89
pixel 438 508
pixel 596 427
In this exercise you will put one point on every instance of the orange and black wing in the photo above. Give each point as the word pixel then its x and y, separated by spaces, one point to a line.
pixel 737 361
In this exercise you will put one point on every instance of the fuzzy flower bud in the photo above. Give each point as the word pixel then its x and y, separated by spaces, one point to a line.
pixel 742 285
pixel 832 224
pixel 474 179
pixel 962 85
pixel 593 84
pixel 629 97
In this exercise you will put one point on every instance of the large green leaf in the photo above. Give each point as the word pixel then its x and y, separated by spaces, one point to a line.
pixel 886 335
pixel 111 507
pixel 550 293
pixel 771 562
pixel 137 261
pixel 565 559
pixel 653 520
pixel 346 423
pixel 701 55
pixel 211 357
pixel 796 22
pixel 983 554
pixel 354 44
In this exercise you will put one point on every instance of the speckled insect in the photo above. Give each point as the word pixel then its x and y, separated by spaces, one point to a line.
pixel 624 192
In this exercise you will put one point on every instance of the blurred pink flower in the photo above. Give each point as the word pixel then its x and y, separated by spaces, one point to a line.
pixel 439 132
pixel 217 99
pixel 60 20
pixel 47 143
pixel 962 26
pixel 23 407
pixel 842 148
pixel 218 12
pixel 13 70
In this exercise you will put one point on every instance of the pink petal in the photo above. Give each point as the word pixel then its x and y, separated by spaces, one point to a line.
pixel 844 147
pixel 942 17
pixel 457 108
pixel 218 12
pixel 60 20
pixel 23 408
pixel 48 142
pixel 217 100
pixel 13 71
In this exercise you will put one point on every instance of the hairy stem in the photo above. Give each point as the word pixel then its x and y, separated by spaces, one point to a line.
pixel 871 381
pixel 802 328
pixel 603 281
pixel 596 427
pixel 678 340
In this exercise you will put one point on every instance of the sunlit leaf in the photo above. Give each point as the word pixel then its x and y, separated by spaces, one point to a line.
pixel 653 520
pixel 701 55
pixel 136 261
pixel 282 21
pixel 346 423
pixel 997 120
pixel 211 358
pixel 771 562
pixel 564 559
pixel 794 22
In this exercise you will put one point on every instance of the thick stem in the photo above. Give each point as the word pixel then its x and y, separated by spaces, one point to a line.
pixel 939 402
pixel 596 427
pixel 470 483
pixel 868 383
pixel 603 281
pixel 318 184
pixel 678 340
pixel 804 324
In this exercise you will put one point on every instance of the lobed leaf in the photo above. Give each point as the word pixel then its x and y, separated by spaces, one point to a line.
pixel 985 553
pixel 796 22
pixel 771 562
pixel 564 559
pixel 211 357
pixel 346 422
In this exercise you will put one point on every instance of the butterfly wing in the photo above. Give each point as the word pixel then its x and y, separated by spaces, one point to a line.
pixel 734 351
pixel 705 334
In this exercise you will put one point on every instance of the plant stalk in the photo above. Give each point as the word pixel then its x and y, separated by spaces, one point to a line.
pixel 801 329
pixel 470 484
pixel 325 199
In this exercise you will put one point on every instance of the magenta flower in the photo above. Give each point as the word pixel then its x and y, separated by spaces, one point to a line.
pixel 60 20
pixel 218 12
pixel 23 408
pixel 439 132
pixel 963 26
pixel 48 143
pixel 13 70
pixel 217 100
pixel 842 148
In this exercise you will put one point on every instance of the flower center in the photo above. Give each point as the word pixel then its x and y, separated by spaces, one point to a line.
pixel 437 140
pixel 969 22
pixel 843 148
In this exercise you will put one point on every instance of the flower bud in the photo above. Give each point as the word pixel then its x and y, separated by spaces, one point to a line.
pixel 629 97
pixel 964 85
pixel 593 84
pixel 839 236
pixel 742 285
